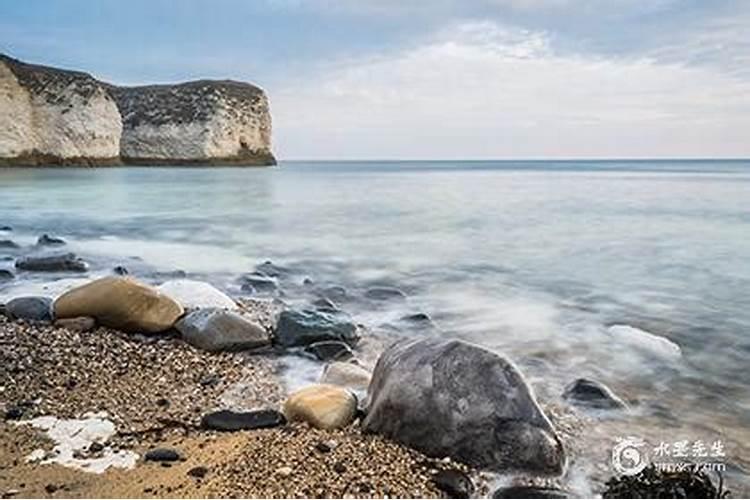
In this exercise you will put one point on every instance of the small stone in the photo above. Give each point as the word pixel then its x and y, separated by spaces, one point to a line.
pixel 330 350
pixel 6 228
pixel 162 402
pixel 11 493
pixel 198 472
pixel 120 270
pixel 530 492
pixel 68 262
pixel 50 488
pixel 586 392
pixel 162 455
pixel 226 420
pixel 14 413
pixel 323 447
pixel 47 240
pixel 96 447
pixel 382 293
pixel 339 468
pixel 9 244
pixel 454 483
pixel 284 471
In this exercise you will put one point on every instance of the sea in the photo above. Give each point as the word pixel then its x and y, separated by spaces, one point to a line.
pixel 632 273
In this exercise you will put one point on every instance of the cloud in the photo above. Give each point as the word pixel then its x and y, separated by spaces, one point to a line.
pixel 485 90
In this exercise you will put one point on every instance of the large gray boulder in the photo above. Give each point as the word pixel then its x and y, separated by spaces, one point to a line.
pixel 452 398
pixel 221 330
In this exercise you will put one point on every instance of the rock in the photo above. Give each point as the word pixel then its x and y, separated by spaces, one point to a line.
pixel 450 398
pixel 50 488
pixel 6 228
pixel 347 375
pixel 339 468
pixel 53 263
pixel 47 240
pixel 15 412
pixel 384 293
pixel 6 275
pixel 121 270
pixel 198 472
pixel 324 304
pixel 254 282
pixel 323 447
pixel 322 406
pixel 80 324
pixel 330 350
pixel 162 455
pixel 454 483
pixel 226 420
pixel 120 303
pixel 193 294
pixel 9 244
pixel 55 117
pixel 418 319
pixel 96 447
pixel 284 471
pixel 334 293
pixel 30 308
pixel 221 330
pixel 303 327
pixel 586 392
pixel 268 268
pixel 530 492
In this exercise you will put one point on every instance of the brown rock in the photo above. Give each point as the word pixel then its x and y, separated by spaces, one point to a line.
pixel 79 324
pixel 121 303
pixel 321 405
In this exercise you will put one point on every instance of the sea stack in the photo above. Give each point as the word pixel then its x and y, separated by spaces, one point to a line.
pixel 50 116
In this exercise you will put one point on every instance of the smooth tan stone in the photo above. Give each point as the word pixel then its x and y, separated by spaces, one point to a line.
pixel 321 405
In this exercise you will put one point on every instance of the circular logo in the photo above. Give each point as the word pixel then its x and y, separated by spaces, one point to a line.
pixel 627 457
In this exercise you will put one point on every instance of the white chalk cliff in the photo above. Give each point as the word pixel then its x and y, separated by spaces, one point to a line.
pixel 50 116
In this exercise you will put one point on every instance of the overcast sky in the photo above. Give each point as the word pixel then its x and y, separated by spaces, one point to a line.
pixel 432 79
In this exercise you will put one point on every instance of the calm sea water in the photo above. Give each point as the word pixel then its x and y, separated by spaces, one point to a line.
pixel 571 268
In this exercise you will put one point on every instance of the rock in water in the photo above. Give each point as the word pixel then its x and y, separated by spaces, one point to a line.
pixel 385 293
pixel 593 394
pixel 452 398
pixel 347 375
pixel 6 275
pixel 54 116
pixel 9 244
pixel 30 308
pixel 196 294
pixel 257 282
pixel 322 406
pixel 530 492
pixel 53 263
pixel 303 327
pixel 329 350
pixel 226 420
pixel 454 483
pixel 121 303
pixel 268 268
pixel 47 240
pixel 221 330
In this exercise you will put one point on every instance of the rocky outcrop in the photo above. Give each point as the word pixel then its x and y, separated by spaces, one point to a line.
pixel 54 116
pixel 50 116
pixel 451 398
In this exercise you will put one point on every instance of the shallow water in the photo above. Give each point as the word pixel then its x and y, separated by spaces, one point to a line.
pixel 549 262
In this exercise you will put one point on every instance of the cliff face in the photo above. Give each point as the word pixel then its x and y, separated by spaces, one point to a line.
pixel 203 121
pixel 51 117
pixel 55 116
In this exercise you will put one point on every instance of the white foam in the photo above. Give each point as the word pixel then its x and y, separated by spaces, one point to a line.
pixel 52 289
pixel 645 341
pixel 72 435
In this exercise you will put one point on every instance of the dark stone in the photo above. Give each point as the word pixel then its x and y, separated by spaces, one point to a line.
pixel 214 329
pixel 53 263
pixel 121 270
pixel 450 398
pixel 170 275
pixel 47 240
pixel 268 268
pixel 333 293
pixel 654 483
pixel 9 244
pixel 339 468
pixel 586 392
pixel 15 412
pixel 304 327
pixel 256 282
pixel 96 447
pixel 417 318
pixel 30 308
pixel 210 380
pixel 226 420
pixel 531 492
pixel 324 304
pixel 6 275
pixel 198 472
pixel 454 483
pixel 50 488
pixel 162 455
pixel 384 293
pixel 323 447
pixel 6 228
pixel 71 384
pixel 330 350
pixel 162 402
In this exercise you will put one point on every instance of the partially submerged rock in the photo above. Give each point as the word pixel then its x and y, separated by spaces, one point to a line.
pixel 303 327
pixel 384 293
pixel 30 308
pixel 322 406
pixel 67 262
pixel 221 330
pixel 268 268
pixel 6 275
pixel 589 393
pixel 451 398
pixel 192 294
pixel 226 420
pixel 330 350
pixel 121 303
pixel 9 244
pixel 47 240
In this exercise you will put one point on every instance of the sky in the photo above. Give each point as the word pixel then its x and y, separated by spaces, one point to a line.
pixel 432 79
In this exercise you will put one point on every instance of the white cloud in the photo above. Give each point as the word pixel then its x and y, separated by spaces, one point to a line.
pixel 481 90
